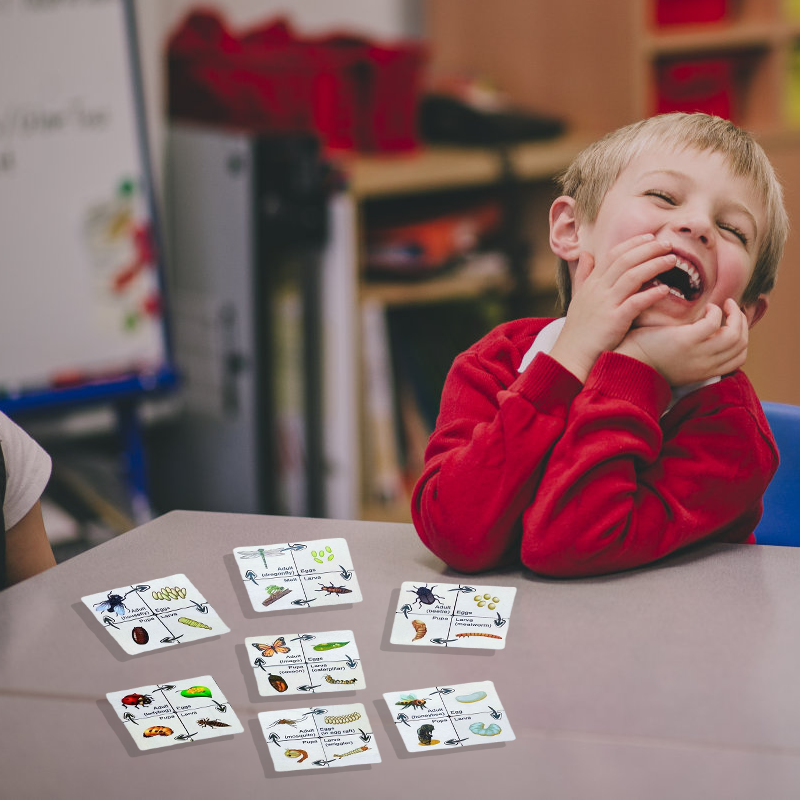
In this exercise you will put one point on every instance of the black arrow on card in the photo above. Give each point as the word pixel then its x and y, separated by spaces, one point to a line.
pixel 350 662
pixel 274 738
pixel 446 690
pixel 365 737
pixel 201 607
pixel 495 714
pixel 437 640
pixel 220 707
pixel 166 688
pixel 250 576
pixel 304 602
pixel 129 717
pixel 307 688
pixel 323 763
pixel 171 639
pixel 403 718
pixel 259 662
pixel 499 622
pixel 345 573
pixel 465 589
pixel 182 737
pixel 294 547
pixel 455 741
pixel 109 621
pixel 406 609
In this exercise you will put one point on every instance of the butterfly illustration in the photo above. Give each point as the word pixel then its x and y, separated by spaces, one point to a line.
pixel 269 650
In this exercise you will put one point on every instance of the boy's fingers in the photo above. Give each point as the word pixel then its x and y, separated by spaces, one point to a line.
pixel 584 269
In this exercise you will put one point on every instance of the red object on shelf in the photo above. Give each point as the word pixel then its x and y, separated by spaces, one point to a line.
pixel 697 85
pixel 686 12
pixel 355 94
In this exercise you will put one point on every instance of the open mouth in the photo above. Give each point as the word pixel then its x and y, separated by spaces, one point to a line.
pixel 683 280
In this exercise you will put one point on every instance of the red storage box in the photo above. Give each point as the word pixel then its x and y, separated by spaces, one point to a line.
pixel 697 85
pixel 686 12
pixel 355 94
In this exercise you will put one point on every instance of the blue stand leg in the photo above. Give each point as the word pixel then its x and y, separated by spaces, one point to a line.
pixel 135 461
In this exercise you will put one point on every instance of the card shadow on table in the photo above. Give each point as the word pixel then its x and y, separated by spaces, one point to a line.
pixel 248 674
pixel 262 748
pixel 126 740
pixel 246 604
pixel 388 646
pixel 113 646
pixel 399 747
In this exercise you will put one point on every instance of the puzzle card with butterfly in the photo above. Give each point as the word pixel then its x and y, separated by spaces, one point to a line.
pixel 310 738
pixel 453 615
pixel 296 575
pixel 175 713
pixel 158 613
pixel 449 717
pixel 305 663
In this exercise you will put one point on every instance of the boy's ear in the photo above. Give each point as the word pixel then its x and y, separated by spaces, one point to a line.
pixel 564 240
pixel 755 310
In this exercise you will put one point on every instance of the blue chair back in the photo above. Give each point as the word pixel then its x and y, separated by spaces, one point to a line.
pixel 781 521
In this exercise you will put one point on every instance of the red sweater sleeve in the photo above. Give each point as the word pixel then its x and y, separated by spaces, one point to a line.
pixel 624 487
pixel 581 480
pixel 484 460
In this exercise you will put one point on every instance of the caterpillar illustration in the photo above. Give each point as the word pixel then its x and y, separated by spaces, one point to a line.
pixel 344 719
pixel 352 752
pixel 193 623
pixel 335 680
pixel 421 629
pixel 487 635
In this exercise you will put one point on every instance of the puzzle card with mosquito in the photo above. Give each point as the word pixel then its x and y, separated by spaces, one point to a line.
pixel 319 737
pixel 449 717
pixel 177 712
pixel 305 663
pixel 453 615
pixel 160 613
pixel 316 574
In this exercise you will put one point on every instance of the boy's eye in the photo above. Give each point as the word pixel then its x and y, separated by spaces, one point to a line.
pixel 737 232
pixel 661 195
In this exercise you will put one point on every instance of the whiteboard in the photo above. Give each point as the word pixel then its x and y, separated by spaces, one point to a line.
pixel 80 296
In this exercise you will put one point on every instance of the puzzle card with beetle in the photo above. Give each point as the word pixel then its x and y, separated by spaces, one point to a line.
pixel 165 714
pixel 305 663
pixel 159 613
pixel 453 615
pixel 449 717
pixel 315 738
pixel 295 575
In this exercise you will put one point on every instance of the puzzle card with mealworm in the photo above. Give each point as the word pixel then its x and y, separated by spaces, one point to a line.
pixel 453 615
pixel 166 714
pixel 295 575
pixel 449 717
pixel 154 614
pixel 305 663
pixel 315 738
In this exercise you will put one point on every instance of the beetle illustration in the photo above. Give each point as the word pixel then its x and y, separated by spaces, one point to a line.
pixel 137 700
pixel 425 596
pixel 334 589
pixel 113 603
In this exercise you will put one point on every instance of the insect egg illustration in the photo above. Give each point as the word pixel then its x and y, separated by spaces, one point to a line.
pixel 329 645
pixel 486 600
pixel 196 691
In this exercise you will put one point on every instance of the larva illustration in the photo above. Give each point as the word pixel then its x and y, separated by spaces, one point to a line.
pixel 421 629
pixel 193 623
pixel 335 680
pixel 344 719
pixel 352 752
pixel 487 635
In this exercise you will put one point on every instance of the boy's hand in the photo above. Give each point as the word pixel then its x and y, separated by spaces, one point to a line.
pixel 694 352
pixel 606 297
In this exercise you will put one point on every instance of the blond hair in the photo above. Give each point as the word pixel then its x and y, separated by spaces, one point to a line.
pixel 595 169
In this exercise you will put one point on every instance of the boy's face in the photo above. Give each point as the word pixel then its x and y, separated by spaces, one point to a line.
pixel 714 220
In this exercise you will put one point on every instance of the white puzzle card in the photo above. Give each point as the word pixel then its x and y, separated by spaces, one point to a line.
pixel 305 663
pixel 298 574
pixel 453 615
pixel 447 717
pixel 161 715
pixel 158 613
pixel 314 738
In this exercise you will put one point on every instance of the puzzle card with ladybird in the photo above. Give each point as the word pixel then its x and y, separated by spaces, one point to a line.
pixel 305 663
pixel 316 574
pixel 315 738
pixel 453 615
pixel 166 714
pixel 449 717
pixel 158 613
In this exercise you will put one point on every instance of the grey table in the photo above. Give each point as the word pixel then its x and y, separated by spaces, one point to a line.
pixel 681 680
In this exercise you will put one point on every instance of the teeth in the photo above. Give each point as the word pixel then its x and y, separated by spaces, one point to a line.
pixel 689 269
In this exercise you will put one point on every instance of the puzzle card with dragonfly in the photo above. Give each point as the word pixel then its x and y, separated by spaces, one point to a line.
pixel 453 615
pixel 315 738
pixel 449 717
pixel 165 714
pixel 159 613
pixel 295 575
pixel 305 663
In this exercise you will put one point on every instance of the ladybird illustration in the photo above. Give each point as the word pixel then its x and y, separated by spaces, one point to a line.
pixel 137 700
